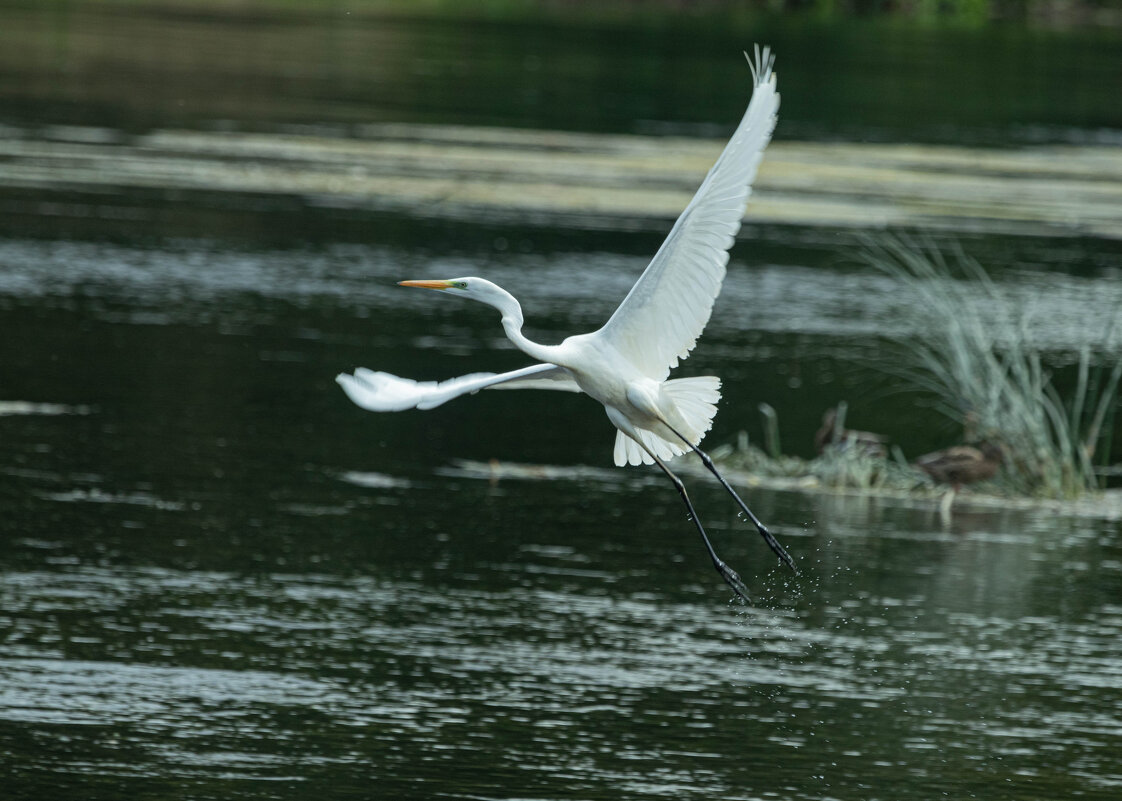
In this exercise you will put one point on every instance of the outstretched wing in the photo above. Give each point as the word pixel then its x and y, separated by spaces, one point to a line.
pixel 383 392
pixel 659 321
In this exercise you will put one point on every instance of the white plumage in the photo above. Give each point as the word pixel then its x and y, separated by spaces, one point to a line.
pixel 662 316
pixel 626 363
pixel 656 325
pixel 384 392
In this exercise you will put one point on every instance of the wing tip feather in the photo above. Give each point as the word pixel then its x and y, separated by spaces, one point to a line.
pixel 762 65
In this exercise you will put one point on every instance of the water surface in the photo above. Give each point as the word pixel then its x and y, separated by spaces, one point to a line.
pixel 219 579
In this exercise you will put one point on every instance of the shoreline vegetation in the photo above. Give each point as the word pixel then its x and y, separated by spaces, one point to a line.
pixel 735 13
pixel 978 364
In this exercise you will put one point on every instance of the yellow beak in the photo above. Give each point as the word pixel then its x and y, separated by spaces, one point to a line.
pixel 426 284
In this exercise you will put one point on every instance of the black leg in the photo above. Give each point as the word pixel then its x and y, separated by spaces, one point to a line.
pixel 769 538
pixel 727 573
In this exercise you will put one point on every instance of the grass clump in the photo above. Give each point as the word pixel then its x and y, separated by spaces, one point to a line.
pixel 840 466
pixel 970 355
pixel 974 352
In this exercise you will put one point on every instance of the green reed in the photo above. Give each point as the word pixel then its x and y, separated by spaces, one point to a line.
pixel 975 353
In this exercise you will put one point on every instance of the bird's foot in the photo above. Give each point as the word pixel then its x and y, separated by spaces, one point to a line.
pixel 732 578
pixel 773 543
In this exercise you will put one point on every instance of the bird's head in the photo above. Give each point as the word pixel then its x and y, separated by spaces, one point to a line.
pixel 475 288
pixel 457 286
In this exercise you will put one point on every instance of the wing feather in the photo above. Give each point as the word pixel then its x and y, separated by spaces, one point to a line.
pixel 384 392
pixel 659 321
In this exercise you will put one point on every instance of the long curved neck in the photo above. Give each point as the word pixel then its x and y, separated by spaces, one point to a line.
pixel 512 324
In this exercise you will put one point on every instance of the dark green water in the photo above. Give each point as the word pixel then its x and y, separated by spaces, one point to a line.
pixel 218 579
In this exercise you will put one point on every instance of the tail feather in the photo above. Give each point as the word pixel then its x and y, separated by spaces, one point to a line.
pixel 694 400
pixel 628 451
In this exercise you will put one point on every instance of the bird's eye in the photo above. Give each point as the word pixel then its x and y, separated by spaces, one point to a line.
pixel 461 285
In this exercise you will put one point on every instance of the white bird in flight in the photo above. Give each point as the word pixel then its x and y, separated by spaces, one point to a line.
pixel 625 364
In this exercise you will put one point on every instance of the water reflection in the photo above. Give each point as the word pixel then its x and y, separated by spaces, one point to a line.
pixel 217 571
pixel 564 292
pixel 136 69
pixel 581 674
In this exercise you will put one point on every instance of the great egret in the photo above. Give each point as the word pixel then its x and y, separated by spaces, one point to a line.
pixel 625 364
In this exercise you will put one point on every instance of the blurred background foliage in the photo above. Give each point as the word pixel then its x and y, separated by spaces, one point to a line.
pixel 1045 13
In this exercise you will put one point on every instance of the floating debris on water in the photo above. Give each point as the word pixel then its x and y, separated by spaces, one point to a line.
pixel 374 480
pixel 28 407
pixel 597 181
